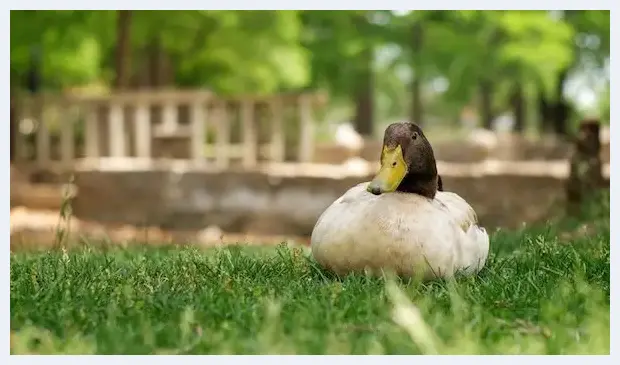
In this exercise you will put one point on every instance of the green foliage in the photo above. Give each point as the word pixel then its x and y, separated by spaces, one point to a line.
pixel 336 42
pixel 268 51
pixel 497 45
pixel 539 46
pixel 592 32
pixel 236 52
pixel 229 51
pixel 68 41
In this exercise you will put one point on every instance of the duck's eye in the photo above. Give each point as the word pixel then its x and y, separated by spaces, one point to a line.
pixel 414 136
pixel 393 164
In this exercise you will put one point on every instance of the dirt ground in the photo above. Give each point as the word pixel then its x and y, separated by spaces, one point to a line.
pixel 38 229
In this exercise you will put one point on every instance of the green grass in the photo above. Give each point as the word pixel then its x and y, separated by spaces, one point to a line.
pixel 538 294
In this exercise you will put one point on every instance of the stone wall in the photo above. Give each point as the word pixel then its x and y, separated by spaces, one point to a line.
pixel 264 203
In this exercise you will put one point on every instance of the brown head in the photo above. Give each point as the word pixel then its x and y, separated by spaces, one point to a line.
pixel 407 163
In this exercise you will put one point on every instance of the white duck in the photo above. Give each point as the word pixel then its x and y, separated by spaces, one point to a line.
pixel 400 221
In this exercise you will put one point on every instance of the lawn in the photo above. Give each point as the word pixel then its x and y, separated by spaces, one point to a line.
pixel 545 290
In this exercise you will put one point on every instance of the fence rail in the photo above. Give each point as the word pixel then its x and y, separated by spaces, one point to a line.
pixel 59 130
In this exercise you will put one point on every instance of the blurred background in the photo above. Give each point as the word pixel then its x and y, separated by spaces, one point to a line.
pixel 253 122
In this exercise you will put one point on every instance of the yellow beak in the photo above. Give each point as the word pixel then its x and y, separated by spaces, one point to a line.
pixel 393 170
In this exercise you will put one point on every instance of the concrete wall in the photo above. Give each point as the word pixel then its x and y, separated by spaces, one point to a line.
pixel 264 203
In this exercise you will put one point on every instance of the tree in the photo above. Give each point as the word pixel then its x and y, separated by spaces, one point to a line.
pixel 375 64
pixel 228 51
pixel 123 49
pixel 69 42
pixel 343 46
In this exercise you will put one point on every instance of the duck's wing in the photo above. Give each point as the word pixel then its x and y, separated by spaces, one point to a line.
pixel 457 208
pixel 474 245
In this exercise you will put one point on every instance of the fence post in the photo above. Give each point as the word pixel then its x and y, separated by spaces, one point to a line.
pixel 222 138
pixel 42 150
pixel 143 131
pixel 277 130
pixel 67 142
pixel 91 132
pixel 117 131
pixel 198 132
pixel 306 139
pixel 17 137
pixel 249 134
pixel 169 118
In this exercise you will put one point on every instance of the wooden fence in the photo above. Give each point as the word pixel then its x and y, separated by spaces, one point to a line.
pixel 58 131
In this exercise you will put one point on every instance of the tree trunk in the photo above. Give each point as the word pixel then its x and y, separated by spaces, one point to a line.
pixel 518 107
pixel 123 49
pixel 34 77
pixel 416 102
pixel 486 107
pixel 158 65
pixel 154 64
pixel 545 113
pixel 416 97
pixel 364 108
pixel 123 64
pixel 561 108
pixel 586 175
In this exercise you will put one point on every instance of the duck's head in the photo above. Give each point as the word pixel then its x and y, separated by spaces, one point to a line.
pixel 407 162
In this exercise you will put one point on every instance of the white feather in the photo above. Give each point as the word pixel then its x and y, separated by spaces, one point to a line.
pixel 408 233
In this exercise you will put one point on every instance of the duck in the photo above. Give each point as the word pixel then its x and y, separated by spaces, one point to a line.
pixel 402 221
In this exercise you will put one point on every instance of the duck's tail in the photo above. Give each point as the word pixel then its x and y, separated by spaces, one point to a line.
pixel 480 239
